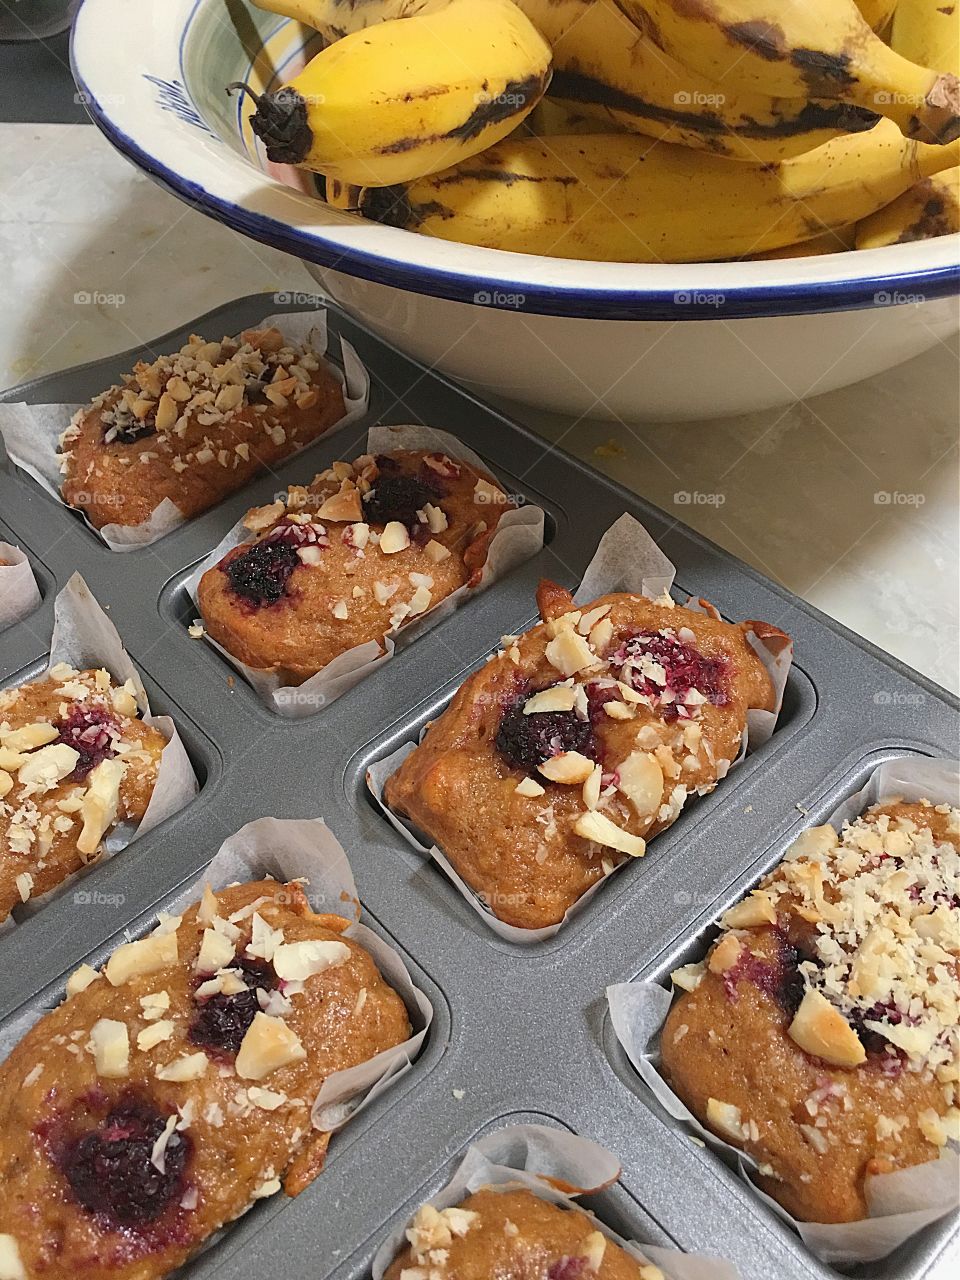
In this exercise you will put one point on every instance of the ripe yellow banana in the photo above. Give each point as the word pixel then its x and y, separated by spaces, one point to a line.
pixel 616 198
pixel 407 98
pixel 334 19
pixel 877 14
pixel 803 48
pixel 837 240
pixel 931 208
pixel 605 65
pixel 928 32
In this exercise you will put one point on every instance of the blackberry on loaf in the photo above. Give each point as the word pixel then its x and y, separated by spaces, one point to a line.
pixel 195 426
pixel 511 1235
pixel 172 1090
pixel 75 760
pixel 821 1034
pixel 363 551
pixel 579 742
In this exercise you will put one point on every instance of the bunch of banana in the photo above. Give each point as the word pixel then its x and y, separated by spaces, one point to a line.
pixel 804 48
pixel 616 198
pixel 931 208
pixel 928 32
pixel 406 98
pixel 607 66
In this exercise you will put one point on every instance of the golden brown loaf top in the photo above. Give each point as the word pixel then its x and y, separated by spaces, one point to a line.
pixel 195 426
pixel 364 550
pixel 171 1090
pixel 74 761
pixel 577 743
pixel 511 1234
pixel 821 1034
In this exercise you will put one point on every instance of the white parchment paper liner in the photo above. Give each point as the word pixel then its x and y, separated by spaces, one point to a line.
pixel 523 1156
pixel 31 432
pixel 901 1203
pixel 84 637
pixel 19 593
pixel 627 559
pixel 306 849
pixel 518 537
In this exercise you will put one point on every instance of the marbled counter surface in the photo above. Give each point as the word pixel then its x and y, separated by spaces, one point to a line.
pixel 793 492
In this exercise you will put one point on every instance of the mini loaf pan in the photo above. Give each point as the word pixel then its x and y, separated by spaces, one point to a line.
pixel 521 1033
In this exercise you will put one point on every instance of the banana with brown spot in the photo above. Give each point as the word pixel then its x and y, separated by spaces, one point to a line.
pixel 927 210
pixel 616 198
pixel 607 66
pixel 804 48
pixel 408 97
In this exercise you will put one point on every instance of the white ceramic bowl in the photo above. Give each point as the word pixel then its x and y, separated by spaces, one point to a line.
pixel 637 342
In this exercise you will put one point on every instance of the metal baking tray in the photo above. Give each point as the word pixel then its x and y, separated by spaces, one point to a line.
pixel 521 1032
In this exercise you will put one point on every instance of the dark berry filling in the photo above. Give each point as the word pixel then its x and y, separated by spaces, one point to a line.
pixel 399 496
pixel 684 667
pixel 874 1041
pixel 568 1269
pixel 111 1172
pixel 527 741
pixel 261 573
pixel 93 732
pixel 223 1021
pixel 121 424
pixel 597 696
pixel 779 978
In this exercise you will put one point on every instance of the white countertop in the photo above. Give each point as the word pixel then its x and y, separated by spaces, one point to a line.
pixel 98 259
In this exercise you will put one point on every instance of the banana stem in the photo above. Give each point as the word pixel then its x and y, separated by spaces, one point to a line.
pixel 280 122
pixel 925 105
pixel 931 160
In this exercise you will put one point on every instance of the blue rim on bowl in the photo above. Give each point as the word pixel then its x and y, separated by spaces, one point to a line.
pixel 156 122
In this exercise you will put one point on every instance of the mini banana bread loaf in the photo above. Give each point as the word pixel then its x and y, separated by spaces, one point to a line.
pixel 367 548
pixel 196 426
pixel 74 761
pixel 563 755
pixel 511 1235
pixel 821 1035
pixel 173 1089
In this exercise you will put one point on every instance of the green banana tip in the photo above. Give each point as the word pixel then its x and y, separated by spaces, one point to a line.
pixel 280 122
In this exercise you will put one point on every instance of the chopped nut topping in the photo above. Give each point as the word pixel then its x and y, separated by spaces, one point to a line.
pixel 80 979
pixel 569 652
pixel 599 829
pixel 298 961
pixel 110 1046
pixel 394 538
pixel 750 913
pixel 11 1264
pixel 558 698
pixel 725 1118
pixel 136 959
pixel 568 767
pixel 529 787
pixel 881 897
pixel 268 1045
pixel 189 1067
pixel 640 779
